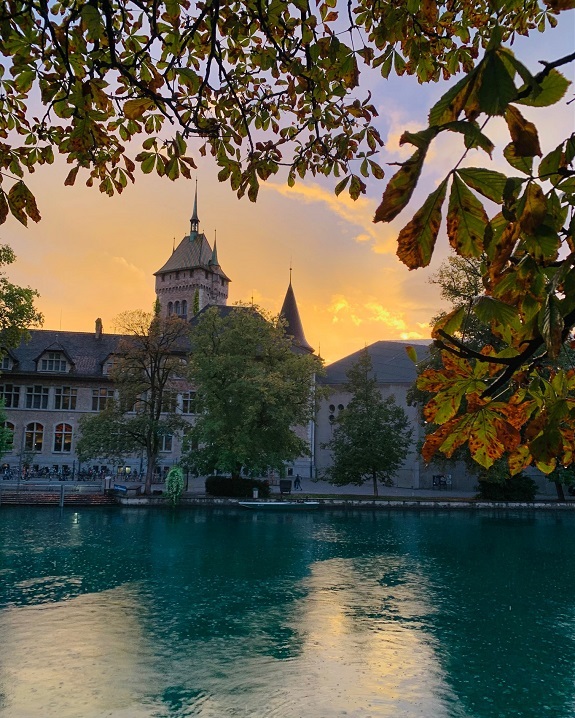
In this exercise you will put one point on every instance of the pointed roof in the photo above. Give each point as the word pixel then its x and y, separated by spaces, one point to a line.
pixel 214 259
pixel 193 252
pixel 294 327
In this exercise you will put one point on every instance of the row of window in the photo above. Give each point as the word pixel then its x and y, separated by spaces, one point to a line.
pixel 65 398
pixel 50 362
pixel 34 438
pixel 180 309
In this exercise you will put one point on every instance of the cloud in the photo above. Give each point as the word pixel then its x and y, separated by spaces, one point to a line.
pixel 358 213
pixel 371 313
pixel 132 268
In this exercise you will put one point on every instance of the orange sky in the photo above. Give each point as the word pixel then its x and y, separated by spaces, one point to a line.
pixel 94 256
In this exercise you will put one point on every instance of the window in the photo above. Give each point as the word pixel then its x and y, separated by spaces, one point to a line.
pixel 169 402
pixel 54 361
pixel 101 398
pixel 34 437
pixel 37 397
pixel 6 363
pixel 109 366
pixel 11 395
pixel 63 438
pixel 9 426
pixel 184 308
pixel 177 308
pixel 166 442
pixel 189 402
pixel 65 398
pixel 170 309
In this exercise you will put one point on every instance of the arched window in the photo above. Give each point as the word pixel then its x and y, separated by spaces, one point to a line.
pixel 34 437
pixel 177 308
pixel 9 426
pixel 63 438
pixel 184 308
pixel 170 309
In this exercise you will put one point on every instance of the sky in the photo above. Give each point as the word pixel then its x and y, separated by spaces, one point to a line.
pixel 94 256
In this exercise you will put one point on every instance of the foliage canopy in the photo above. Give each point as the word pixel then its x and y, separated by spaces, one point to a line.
pixel 147 372
pixel 17 310
pixel 253 391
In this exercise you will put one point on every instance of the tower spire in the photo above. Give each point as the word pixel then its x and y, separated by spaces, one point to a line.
pixel 194 221
pixel 214 258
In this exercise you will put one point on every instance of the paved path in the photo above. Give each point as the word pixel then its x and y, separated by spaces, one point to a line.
pixel 196 487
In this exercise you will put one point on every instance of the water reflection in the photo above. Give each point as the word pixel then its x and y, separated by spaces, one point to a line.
pixel 218 613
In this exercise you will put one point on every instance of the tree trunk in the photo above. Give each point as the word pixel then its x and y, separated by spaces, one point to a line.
pixel 560 493
pixel 149 474
pixel 375 484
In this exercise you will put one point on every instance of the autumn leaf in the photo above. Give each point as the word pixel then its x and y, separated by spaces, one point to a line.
pixel 399 188
pixel 135 109
pixel 416 240
pixel 466 220
pixel 523 134
pixel 22 203
pixel 3 207
pixel 534 208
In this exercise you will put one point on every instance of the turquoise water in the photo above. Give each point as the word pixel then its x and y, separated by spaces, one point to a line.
pixel 140 614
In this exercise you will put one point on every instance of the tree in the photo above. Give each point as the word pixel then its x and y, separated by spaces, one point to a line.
pixel 371 436
pixel 262 84
pixel 17 310
pixel 252 390
pixel 148 370
pixel 6 435
pixel 271 85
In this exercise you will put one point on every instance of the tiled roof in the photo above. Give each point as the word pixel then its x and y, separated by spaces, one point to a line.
pixel 194 251
pixel 391 365
pixel 82 348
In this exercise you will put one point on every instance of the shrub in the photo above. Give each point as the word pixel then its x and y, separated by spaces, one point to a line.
pixel 240 488
pixel 175 484
pixel 513 488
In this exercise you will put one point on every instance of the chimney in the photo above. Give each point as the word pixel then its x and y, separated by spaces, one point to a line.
pixel 99 328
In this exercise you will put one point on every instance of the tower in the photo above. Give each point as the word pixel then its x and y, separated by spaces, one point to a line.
pixel 290 313
pixel 192 276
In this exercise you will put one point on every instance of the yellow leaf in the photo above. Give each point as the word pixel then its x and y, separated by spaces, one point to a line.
pixel 134 109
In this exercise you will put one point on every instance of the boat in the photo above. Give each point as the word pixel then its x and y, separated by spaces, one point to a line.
pixel 280 505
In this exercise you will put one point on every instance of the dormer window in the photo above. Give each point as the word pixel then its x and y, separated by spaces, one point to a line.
pixel 6 363
pixel 54 361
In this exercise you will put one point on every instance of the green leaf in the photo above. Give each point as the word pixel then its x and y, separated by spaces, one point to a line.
pixel 472 134
pixel 93 21
pixel 416 240
pixel 551 325
pixel 488 309
pixel 412 354
pixel 449 107
pixel 497 88
pixel 549 91
pixel 466 220
pixel 487 182
pixel 523 164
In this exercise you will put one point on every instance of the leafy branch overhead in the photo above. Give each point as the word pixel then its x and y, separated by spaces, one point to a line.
pixel 517 401
pixel 257 84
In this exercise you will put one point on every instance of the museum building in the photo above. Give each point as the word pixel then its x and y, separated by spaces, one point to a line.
pixel 49 382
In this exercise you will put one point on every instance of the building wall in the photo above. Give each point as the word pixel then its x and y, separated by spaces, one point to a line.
pixel 409 476
pixel 49 418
